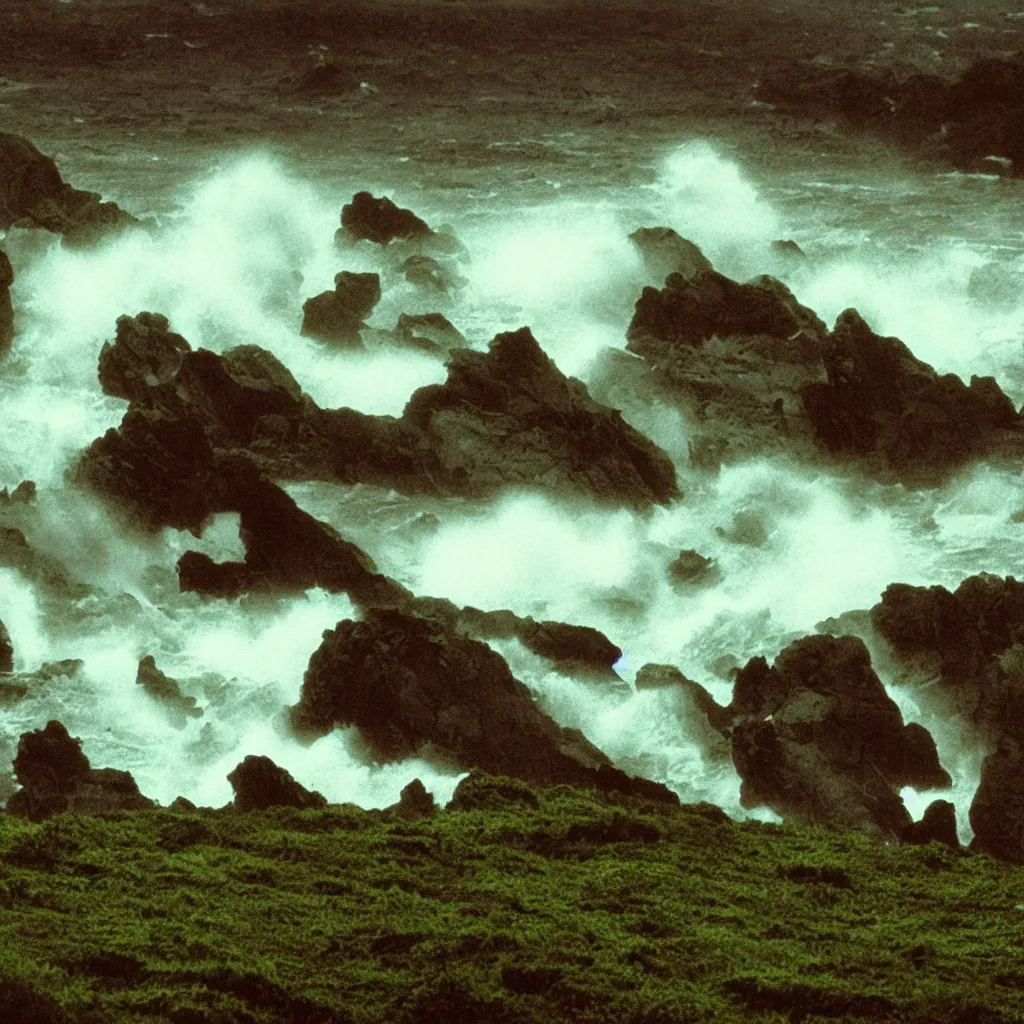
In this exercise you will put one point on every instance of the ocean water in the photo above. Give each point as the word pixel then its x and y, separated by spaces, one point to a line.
pixel 935 260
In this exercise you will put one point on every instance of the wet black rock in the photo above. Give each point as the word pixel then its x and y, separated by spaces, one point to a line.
pixel 938 825
pixel 166 690
pixel 879 401
pixel 414 802
pixel 415 686
pixel 378 220
pixel 33 194
pixel 664 251
pixel 509 417
pixel 56 776
pixel 692 569
pixel 818 740
pixel 144 353
pixel 574 650
pixel 337 317
pixel 429 274
pixel 6 650
pixel 997 811
pixel 6 306
pixel 258 783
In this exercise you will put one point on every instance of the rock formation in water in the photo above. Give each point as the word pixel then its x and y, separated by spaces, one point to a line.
pixel 6 306
pixel 55 776
pixel 504 419
pixel 973 123
pixel 337 317
pixel 911 423
pixel 258 783
pixel 33 194
pixel 664 252
pixel 759 373
pixel 414 686
pixel 379 221
pixel 973 640
pixel 816 738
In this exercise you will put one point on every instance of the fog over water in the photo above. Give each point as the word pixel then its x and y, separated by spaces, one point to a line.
pixel 909 255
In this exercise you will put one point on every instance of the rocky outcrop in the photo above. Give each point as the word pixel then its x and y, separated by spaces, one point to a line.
pixel 179 707
pixel 379 221
pixel 428 332
pixel 6 306
pixel 757 372
pixel 997 811
pixel 143 354
pixel 938 825
pixel 414 802
pixel 704 721
pixel 509 418
pixel 692 569
pixel 337 317
pixel 258 783
pixel 881 403
pixel 664 252
pixel 33 194
pixel 973 640
pixel 55 776
pixel 504 419
pixel 818 740
pixel 415 686
pixel 962 122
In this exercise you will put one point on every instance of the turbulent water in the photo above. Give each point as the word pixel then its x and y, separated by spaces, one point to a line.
pixel 913 256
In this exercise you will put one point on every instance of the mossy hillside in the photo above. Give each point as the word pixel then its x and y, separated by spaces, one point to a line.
pixel 540 905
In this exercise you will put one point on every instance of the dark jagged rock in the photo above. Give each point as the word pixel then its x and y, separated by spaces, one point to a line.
pixel 664 252
pixel 430 332
pixel 818 739
pixel 575 650
pixel 692 569
pixel 882 402
pixel 33 193
pixel 509 417
pixel 691 311
pixel 258 783
pixel 759 373
pixel 974 637
pixel 337 317
pixel 378 220
pixel 997 811
pixel 6 650
pixel 937 826
pixel 6 306
pixel 788 251
pixel 412 684
pixel 166 690
pixel 55 776
pixel 144 353
pixel 414 802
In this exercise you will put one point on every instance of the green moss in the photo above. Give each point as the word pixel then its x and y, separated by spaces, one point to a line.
pixel 556 908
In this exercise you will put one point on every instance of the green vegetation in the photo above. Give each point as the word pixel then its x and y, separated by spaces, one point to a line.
pixel 532 907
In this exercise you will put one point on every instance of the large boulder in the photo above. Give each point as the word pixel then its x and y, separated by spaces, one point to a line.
pixel 6 306
pixel 258 783
pixel 880 402
pixel 379 221
pixel 55 776
pixel 337 317
pixel 33 193
pixel 818 740
pixel 973 638
pixel 664 251
pixel 510 418
pixel 414 686
pixel 179 707
pixel 997 811
pixel 144 353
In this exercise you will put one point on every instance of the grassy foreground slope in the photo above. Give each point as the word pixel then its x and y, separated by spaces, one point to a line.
pixel 540 906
